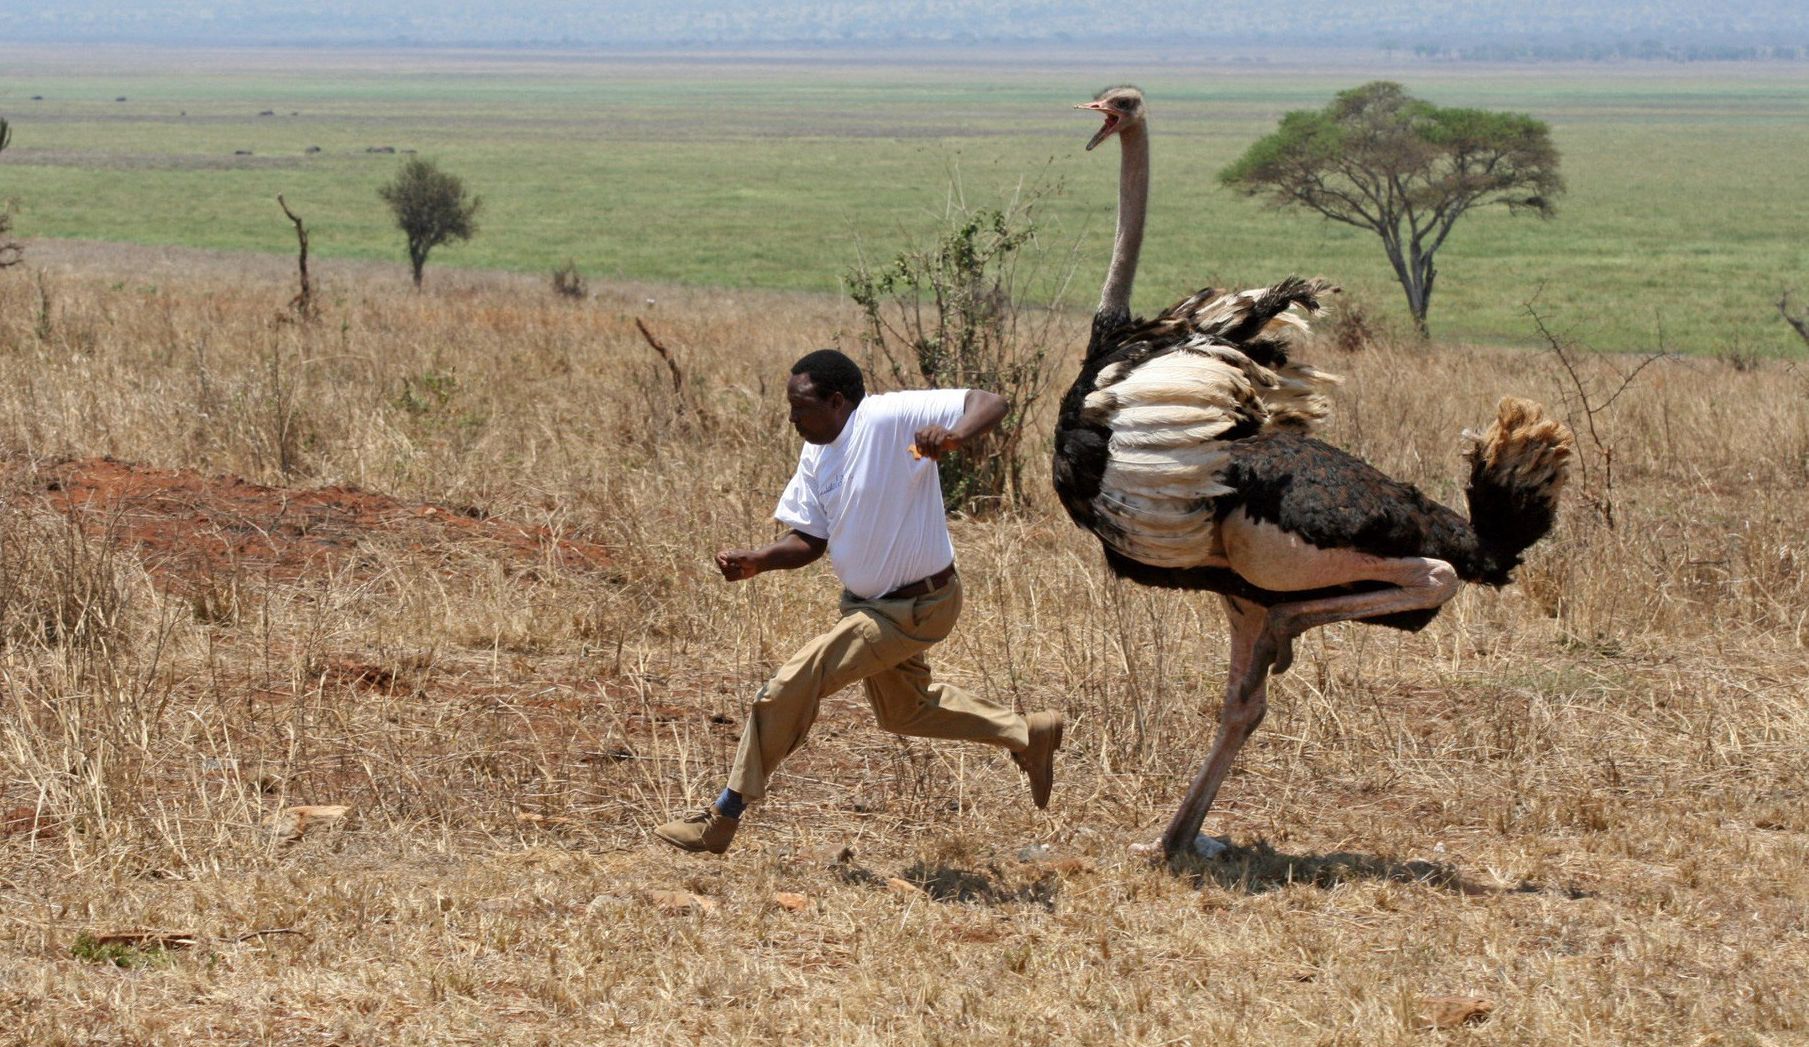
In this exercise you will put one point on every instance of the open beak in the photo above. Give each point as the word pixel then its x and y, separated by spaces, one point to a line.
pixel 1112 120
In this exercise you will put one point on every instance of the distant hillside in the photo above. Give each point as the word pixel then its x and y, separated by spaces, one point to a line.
pixel 1493 28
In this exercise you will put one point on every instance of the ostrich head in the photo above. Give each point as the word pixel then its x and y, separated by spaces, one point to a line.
pixel 1123 108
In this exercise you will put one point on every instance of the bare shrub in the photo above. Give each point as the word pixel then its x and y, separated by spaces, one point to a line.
pixel 1590 400
pixel 568 282
pixel 955 313
pixel 1350 327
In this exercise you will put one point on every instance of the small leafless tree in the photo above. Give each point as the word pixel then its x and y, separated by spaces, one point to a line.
pixel 303 302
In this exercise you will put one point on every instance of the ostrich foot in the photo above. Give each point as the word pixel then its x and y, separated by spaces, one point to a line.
pixel 1203 846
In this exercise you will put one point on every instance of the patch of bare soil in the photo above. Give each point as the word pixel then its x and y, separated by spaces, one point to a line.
pixel 188 527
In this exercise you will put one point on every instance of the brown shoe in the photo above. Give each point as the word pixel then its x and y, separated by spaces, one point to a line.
pixel 707 830
pixel 1038 758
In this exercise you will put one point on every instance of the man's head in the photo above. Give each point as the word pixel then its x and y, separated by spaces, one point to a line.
pixel 825 388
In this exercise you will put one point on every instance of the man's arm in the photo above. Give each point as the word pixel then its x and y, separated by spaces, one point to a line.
pixel 795 549
pixel 980 412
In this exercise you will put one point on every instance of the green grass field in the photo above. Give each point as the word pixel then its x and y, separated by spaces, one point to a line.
pixel 1682 224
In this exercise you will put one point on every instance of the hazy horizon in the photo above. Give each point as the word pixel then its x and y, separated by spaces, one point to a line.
pixel 1533 28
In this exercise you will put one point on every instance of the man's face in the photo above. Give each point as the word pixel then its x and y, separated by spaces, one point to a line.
pixel 817 420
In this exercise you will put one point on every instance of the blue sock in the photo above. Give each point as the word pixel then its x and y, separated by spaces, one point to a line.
pixel 730 804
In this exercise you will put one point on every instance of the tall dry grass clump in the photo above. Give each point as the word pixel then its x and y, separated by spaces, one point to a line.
pixel 1579 797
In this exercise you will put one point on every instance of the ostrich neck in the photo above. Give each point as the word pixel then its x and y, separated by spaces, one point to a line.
pixel 1133 200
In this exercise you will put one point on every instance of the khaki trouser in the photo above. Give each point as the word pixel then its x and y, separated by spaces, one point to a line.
pixel 881 643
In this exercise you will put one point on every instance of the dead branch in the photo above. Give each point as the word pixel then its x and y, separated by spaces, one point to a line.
pixel 303 302
pixel 1798 321
pixel 1599 496
pixel 678 376
pixel 270 931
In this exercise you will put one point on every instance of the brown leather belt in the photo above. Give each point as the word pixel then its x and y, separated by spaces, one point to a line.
pixel 922 586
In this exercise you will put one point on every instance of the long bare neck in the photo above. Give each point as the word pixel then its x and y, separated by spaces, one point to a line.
pixel 1133 202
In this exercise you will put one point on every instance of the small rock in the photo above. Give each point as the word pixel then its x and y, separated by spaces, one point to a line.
pixel 1210 847
pixel 1035 852
pixel 680 903
pixel 1449 1012
pixel 791 902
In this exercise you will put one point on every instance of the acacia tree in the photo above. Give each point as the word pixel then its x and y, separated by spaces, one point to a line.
pixel 10 251
pixel 431 207
pixel 1379 159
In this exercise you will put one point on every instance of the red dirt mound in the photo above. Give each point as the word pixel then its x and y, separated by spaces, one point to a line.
pixel 188 526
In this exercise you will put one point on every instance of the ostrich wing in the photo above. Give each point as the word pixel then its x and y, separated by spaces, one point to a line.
pixel 1173 393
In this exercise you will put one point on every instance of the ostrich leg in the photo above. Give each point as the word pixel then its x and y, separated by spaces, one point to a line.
pixel 1246 699
pixel 1420 582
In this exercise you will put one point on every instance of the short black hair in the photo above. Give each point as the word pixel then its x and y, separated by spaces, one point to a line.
pixel 831 371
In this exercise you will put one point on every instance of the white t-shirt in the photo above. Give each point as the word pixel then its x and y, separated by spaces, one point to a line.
pixel 880 509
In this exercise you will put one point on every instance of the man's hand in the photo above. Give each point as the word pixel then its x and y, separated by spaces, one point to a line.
pixel 934 441
pixel 795 549
pixel 980 412
pixel 737 564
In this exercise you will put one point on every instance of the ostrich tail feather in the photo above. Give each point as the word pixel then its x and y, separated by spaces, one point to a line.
pixel 1516 471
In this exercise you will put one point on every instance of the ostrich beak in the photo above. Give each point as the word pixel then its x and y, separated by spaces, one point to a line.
pixel 1112 120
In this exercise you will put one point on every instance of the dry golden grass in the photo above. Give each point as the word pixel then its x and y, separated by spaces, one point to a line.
pixel 1581 799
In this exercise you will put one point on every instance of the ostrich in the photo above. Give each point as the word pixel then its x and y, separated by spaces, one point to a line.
pixel 1183 446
